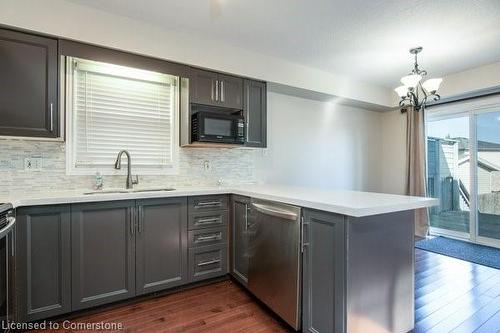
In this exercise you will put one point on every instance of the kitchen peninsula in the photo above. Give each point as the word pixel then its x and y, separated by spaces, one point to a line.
pixel 355 262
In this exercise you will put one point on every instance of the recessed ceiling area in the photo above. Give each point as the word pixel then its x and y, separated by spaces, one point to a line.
pixel 366 40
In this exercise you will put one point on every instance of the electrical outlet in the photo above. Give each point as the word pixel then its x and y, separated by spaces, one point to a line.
pixel 33 163
pixel 207 166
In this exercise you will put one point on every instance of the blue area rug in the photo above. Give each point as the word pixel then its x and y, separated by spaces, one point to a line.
pixel 479 254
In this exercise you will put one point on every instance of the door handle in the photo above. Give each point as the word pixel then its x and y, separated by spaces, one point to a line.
pixel 52 117
pixel 209 262
pixel 216 90
pixel 131 221
pixel 222 91
pixel 140 220
pixel 246 217
pixel 202 239
pixel 207 221
pixel 303 243
pixel 274 211
pixel 208 204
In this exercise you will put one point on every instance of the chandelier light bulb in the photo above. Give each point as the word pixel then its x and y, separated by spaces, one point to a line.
pixel 402 91
pixel 411 80
pixel 432 85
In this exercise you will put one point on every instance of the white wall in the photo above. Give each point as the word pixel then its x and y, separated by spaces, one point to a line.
pixel 82 23
pixel 483 77
pixel 321 144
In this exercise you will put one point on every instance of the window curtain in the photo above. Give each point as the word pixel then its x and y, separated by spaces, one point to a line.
pixel 416 165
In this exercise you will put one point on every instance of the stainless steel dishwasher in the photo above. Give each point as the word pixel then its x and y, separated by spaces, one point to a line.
pixel 274 258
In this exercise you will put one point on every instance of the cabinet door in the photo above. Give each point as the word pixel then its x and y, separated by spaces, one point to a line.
pixel 43 262
pixel 323 272
pixel 103 254
pixel 203 87
pixel 161 244
pixel 28 81
pixel 239 238
pixel 255 111
pixel 230 91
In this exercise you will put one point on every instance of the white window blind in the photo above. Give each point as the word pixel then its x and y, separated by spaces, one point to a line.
pixel 115 108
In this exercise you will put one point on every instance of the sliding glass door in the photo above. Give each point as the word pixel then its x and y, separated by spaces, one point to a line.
pixel 488 176
pixel 463 171
pixel 448 159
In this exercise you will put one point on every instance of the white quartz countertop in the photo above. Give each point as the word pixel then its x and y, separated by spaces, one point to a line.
pixel 352 203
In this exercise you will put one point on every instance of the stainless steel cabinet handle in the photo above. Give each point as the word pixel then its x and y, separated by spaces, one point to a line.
pixel 209 262
pixel 303 243
pixel 140 219
pixel 275 211
pixel 51 117
pixel 208 204
pixel 216 90
pixel 202 239
pixel 205 221
pixel 246 216
pixel 13 242
pixel 222 91
pixel 131 217
pixel 212 91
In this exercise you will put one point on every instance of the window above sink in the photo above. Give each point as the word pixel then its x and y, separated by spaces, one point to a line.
pixel 110 108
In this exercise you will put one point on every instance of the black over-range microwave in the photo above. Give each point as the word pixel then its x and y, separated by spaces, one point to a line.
pixel 217 127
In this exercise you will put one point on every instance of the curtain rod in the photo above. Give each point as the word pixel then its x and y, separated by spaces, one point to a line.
pixel 466 96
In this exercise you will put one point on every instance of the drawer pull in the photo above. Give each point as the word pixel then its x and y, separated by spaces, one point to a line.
pixel 207 221
pixel 202 239
pixel 209 262
pixel 208 204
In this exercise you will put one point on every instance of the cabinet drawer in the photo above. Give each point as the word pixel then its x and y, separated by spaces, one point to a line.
pixel 207 262
pixel 208 220
pixel 207 236
pixel 207 203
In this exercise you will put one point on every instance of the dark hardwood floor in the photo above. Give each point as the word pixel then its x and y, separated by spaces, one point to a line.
pixel 451 295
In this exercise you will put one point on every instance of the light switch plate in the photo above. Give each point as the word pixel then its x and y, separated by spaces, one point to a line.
pixel 33 163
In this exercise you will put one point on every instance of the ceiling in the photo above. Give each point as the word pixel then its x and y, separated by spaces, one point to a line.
pixel 364 39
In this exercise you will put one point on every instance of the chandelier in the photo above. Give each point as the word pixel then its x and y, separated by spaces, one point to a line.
pixel 414 92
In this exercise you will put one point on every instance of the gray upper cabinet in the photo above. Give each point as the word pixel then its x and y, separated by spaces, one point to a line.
pixel 28 81
pixel 43 262
pixel 103 252
pixel 203 87
pixel 210 88
pixel 239 238
pixel 323 272
pixel 161 244
pixel 230 91
pixel 255 113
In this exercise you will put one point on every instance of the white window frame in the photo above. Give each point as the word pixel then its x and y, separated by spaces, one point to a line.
pixel 66 90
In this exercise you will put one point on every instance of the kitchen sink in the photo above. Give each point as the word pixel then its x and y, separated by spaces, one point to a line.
pixel 106 192
pixel 129 191
pixel 153 189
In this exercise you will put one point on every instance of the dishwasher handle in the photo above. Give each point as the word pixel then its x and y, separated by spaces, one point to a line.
pixel 275 211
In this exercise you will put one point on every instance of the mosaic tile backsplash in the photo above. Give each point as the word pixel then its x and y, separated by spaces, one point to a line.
pixel 233 166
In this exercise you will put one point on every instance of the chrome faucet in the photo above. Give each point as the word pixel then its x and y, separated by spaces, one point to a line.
pixel 118 165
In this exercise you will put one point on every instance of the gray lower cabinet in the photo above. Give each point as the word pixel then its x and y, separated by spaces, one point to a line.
pixel 161 244
pixel 323 272
pixel 239 238
pixel 255 113
pixel 103 253
pixel 43 262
